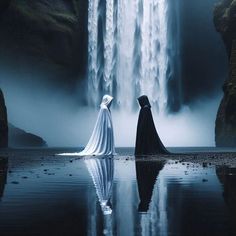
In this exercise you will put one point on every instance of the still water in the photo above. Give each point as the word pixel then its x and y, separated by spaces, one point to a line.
pixel 43 194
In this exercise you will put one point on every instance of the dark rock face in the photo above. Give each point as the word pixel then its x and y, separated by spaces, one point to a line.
pixel 3 174
pixel 4 4
pixel 47 38
pixel 225 22
pixel 20 138
pixel 203 57
pixel 3 122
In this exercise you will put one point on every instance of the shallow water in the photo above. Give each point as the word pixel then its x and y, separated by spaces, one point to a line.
pixel 43 194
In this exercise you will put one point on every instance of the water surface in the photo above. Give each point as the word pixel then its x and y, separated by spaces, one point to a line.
pixel 43 194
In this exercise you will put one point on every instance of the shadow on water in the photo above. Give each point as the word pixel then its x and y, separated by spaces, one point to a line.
pixel 147 173
pixel 152 218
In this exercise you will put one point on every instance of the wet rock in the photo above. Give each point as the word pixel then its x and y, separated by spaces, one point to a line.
pixel 3 122
pixel 225 23
pixel 3 174
pixel 204 165
pixel 51 173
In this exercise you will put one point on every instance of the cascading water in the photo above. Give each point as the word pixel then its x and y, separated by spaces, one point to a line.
pixel 134 59
pixel 93 80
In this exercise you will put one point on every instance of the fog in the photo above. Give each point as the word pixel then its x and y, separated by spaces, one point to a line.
pixel 189 128
pixel 61 121
pixel 53 109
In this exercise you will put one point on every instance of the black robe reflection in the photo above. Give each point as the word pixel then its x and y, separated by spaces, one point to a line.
pixel 147 173
pixel 147 139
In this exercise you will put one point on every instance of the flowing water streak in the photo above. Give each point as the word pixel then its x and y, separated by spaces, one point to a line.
pixel 93 83
pixel 109 48
pixel 126 29
pixel 163 54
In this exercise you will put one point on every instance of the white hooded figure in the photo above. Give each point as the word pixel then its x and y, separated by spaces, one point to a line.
pixel 101 141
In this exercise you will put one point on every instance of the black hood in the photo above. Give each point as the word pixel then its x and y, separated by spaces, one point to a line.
pixel 143 101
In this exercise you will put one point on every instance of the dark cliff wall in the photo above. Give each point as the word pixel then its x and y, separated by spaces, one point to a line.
pixel 225 22
pixel 3 122
pixel 13 136
pixel 44 38
pixel 21 138
pixel 202 53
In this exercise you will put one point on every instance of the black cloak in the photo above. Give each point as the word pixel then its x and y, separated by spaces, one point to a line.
pixel 147 139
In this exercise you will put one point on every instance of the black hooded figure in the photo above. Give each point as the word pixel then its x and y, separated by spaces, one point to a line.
pixel 147 139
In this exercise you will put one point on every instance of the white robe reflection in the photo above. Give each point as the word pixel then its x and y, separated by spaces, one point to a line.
pixel 102 173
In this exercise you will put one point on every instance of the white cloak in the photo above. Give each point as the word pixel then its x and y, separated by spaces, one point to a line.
pixel 102 140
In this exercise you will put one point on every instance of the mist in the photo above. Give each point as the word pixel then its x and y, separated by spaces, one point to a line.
pixel 59 118
pixel 42 96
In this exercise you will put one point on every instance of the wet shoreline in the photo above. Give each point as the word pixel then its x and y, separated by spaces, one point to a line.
pixel 204 158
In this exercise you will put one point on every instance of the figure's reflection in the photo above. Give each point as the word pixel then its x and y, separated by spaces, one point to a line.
pixel 101 170
pixel 3 175
pixel 227 177
pixel 147 173
pixel 153 196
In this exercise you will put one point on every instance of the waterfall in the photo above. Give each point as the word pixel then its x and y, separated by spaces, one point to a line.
pixel 134 58
pixel 93 81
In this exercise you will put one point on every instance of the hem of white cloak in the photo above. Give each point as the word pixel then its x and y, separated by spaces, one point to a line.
pixel 83 154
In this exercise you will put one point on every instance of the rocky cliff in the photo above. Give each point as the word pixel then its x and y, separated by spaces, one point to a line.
pixel 20 138
pixel 15 137
pixel 44 37
pixel 225 22
pixel 3 122
pixel 3 175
